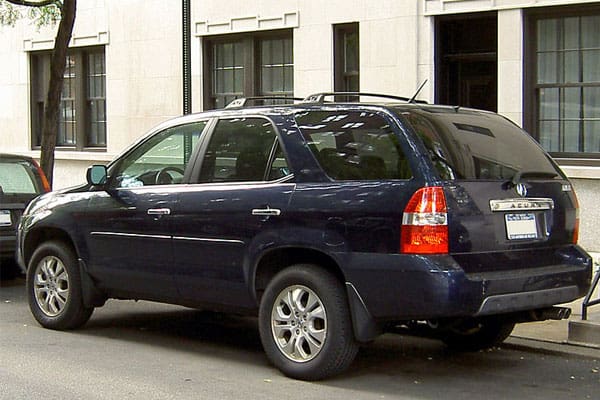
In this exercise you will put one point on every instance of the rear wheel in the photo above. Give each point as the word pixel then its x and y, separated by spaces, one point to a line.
pixel 478 334
pixel 54 288
pixel 305 324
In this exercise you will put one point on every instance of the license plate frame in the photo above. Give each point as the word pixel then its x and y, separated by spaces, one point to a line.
pixel 5 218
pixel 521 226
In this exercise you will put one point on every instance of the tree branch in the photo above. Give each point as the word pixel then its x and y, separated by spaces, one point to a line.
pixel 26 3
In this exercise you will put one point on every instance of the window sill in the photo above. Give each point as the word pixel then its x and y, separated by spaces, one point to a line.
pixel 91 156
pixel 581 172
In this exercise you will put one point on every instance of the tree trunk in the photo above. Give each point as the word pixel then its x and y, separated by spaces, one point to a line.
pixel 57 71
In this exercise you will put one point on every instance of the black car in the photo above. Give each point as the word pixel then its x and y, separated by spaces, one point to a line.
pixel 331 221
pixel 21 180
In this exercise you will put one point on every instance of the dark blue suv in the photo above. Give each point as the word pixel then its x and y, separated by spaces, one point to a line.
pixel 332 221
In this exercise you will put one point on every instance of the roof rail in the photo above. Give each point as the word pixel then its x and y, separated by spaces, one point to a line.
pixel 241 102
pixel 319 98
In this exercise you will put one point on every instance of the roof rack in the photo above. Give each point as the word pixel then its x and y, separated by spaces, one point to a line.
pixel 319 98
pixel 241 102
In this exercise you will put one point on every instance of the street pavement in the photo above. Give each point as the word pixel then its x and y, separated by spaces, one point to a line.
pixel 143 350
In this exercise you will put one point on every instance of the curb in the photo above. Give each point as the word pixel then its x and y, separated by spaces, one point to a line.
pixel 552 347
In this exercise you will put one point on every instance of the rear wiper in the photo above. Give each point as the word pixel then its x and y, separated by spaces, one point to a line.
pixel 516 179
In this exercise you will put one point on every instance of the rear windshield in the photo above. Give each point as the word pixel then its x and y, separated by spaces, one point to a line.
pixel 467 144
pixel 17 178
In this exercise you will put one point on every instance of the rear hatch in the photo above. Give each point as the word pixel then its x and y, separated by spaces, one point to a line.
pixel 507 200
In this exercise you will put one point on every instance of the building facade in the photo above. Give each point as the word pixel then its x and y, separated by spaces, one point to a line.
pixel 533 61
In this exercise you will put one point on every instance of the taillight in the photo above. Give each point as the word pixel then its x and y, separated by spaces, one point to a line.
pixel 576 226
pixel 45 184
pixel 425 223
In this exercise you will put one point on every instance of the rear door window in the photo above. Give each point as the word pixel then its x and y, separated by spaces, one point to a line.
pixel 243 150
pixel 466 144
pixel 354 145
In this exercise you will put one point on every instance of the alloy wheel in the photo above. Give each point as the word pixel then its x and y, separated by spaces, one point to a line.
pixel 51 286
pixel 299 323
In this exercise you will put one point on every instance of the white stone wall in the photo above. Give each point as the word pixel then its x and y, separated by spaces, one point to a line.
pixel 142 41
pixel 393 59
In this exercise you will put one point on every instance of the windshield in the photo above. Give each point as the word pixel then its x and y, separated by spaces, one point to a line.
pixel 468 144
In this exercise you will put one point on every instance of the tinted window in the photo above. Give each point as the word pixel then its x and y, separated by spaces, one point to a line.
pixel 160 160
pixel 354 145
pixel 240 150
pixel 17 178
pixel 465 144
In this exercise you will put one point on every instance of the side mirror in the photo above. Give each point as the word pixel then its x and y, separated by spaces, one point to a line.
pixel 96 175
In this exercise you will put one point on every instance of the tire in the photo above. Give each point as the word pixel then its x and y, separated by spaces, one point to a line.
pixel 478 334
pixel 54 288
pixel 304 323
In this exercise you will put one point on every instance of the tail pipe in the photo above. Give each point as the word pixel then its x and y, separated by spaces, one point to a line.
pixel 555 313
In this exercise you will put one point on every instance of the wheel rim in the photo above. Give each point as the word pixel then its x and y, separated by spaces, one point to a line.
pixel 299 323
pixel 51 286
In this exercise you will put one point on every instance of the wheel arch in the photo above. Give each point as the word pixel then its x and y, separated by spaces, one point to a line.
pixel 40 235
pixel 278 259
pixel 92 296
pixel 364 325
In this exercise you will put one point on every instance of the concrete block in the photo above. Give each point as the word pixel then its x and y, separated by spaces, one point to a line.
pixel 584 332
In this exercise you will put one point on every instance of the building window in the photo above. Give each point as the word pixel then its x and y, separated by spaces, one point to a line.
pixel 259 64
pixel 82 115
pixel 566 83
pixel 346 58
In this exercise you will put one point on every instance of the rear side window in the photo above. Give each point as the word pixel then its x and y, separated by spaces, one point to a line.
pixel 465 144
pixel 17 178
pixel 354 145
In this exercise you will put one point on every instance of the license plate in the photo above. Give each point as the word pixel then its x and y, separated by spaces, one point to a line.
pixel 521 226
pixel 5 219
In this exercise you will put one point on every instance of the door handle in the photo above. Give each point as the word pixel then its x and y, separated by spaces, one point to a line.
pixel 159 211
pixel 266 211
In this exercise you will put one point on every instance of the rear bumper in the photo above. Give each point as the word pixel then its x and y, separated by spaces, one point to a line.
pixel 407 287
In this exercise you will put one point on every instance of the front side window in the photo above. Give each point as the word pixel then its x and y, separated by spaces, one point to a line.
pixel 82 114
pixel 259 64
pixel 160 160
pixel 243 150
pixel 353 145
pixel 566 83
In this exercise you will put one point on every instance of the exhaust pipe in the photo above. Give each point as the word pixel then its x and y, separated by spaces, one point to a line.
pixel 555 313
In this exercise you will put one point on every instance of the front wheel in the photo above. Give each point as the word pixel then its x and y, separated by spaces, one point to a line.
pixel 54 288
pixel 305 325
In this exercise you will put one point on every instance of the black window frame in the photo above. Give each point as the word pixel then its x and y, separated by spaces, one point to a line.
pixel 530 68
pixel 341 75
pixel 83 101
pixel 251 46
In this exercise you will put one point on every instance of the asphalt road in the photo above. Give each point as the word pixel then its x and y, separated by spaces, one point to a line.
pixel 146 351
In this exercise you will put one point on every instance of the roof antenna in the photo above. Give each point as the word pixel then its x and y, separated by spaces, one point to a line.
pixel 412 99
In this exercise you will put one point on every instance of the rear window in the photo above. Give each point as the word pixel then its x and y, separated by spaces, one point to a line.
pixel 17 178
pixel 466 144
pixel 353 145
